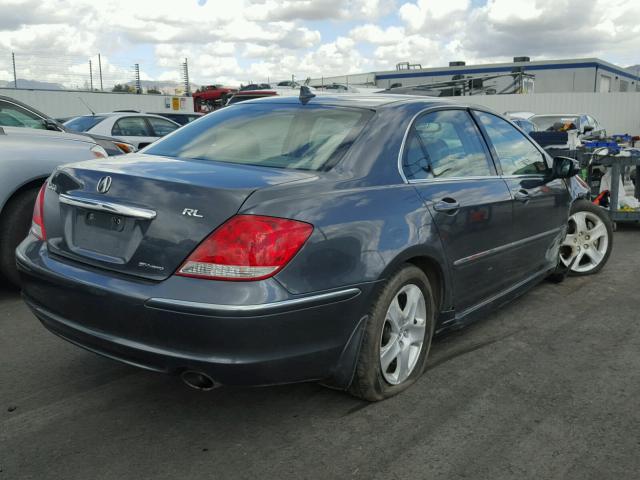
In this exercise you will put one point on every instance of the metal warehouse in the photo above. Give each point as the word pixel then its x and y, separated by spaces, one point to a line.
pixel 549 76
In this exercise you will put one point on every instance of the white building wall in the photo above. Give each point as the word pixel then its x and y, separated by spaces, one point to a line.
pixel 64 103
pixel 617 112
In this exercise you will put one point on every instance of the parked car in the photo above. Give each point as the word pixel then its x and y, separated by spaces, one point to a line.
pixel 180 118
pixel 27 158
pixel 14 113
pixel 138 129
pixel 283 240
pixel 244 95
pixel 585 124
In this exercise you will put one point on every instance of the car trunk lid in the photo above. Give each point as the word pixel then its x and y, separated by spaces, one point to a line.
pixel 143 215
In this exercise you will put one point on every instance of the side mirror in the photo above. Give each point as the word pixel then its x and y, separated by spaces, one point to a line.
pixel 50 124
pixel 587 128
pixel 564 167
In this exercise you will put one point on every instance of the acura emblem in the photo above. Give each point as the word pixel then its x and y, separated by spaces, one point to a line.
pixel 104 184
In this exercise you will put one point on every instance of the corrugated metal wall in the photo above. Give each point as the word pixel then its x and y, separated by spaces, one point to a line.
pixel 617 112
pixel 64 103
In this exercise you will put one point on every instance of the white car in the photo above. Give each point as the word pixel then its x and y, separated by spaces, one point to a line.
pixel 138 129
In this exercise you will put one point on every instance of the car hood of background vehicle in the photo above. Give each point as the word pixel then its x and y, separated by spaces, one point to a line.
pixel 31 133
pixel 174 189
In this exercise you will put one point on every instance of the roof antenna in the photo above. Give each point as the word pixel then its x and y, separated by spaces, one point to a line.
pixel 87 105
pixel 305 94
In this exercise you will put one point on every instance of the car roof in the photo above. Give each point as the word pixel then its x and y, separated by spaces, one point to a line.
pixel 370 101
pixel 197 114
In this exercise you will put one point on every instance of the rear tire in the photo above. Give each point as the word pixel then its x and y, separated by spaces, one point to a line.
pixel 14 227
pixel 397 337
pixel 589 238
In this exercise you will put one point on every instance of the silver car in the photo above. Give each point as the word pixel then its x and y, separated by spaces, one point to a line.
pixel 138 129
pixel 27 158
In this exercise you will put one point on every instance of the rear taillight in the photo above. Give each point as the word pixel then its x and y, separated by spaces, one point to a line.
pixel 247 247
pixel 37 221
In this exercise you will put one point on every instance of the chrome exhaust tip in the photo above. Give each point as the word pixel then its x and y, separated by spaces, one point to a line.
pixel 198 380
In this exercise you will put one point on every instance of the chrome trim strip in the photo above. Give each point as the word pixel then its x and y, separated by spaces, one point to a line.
pixel 199 307
pixel 497 296
pixel 502 248
pixel 453 179
pixel 110 207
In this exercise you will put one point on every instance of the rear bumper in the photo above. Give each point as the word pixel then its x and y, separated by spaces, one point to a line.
pixel 239 333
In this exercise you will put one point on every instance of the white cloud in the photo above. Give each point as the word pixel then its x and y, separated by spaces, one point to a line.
pixel 244 40
pixel 373 34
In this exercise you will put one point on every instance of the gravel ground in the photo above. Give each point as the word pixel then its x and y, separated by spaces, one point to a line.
pixel 547 387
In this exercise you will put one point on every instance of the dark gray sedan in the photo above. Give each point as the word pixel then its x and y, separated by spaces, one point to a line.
pixel 297 239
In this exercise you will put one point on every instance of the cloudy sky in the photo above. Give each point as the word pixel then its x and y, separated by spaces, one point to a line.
pixel 235 41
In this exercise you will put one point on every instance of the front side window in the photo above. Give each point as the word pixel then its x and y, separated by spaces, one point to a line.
pixel 285 136
pixel 517 155
pixel 13 116
pixel 445 144
pixel 161 127
pixel 131 127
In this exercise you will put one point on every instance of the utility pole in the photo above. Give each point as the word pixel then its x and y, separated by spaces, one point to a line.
pixel 91 74
pixel 185 76
pixel 100 71
pixel 137 73
pixel 15 77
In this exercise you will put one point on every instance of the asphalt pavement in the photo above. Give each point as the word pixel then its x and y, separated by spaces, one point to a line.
pixel 548 387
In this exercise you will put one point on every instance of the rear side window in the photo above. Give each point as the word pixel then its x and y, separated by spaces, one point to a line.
pixel 517 155
pixel 303 137
pixel 161 127
pixel 131 127
pixel 83 124
pixel 445 144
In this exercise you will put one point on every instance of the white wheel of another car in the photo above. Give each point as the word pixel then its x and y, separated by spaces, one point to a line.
pixel 589 239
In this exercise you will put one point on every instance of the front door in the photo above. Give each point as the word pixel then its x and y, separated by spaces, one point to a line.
pixel 447 161
pixel 540 208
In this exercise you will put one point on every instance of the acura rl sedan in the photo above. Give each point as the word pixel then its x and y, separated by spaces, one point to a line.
pixel 296 239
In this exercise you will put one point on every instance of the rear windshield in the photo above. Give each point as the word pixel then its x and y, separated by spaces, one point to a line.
pixel 300 137
pixel 556 122
pixel 82 124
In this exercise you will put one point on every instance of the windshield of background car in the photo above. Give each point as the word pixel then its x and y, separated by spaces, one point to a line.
pixel 83 124
pixel 300 137
pixel 548 122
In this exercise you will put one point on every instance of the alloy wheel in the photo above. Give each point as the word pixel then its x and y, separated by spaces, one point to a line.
pixel 403 334
pixel 587 241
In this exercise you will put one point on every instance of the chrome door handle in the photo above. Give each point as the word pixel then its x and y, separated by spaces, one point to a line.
pixel 521 195
pixel 446 205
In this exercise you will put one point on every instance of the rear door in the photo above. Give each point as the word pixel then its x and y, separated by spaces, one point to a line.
pixel 161 127
pixel 447 161
pixel 540 208
pixel 134 130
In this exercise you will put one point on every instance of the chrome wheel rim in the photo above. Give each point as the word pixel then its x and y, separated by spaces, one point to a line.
pixel 587 241
pixel 403 334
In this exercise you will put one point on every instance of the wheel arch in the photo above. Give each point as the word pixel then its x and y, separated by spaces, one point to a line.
pixel 29 185
pixel 433 264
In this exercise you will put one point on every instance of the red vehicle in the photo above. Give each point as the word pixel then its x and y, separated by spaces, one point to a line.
pixel 211 97
pixel 250 94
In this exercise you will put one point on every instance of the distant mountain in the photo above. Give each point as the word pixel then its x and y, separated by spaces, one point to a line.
pixel 34 84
